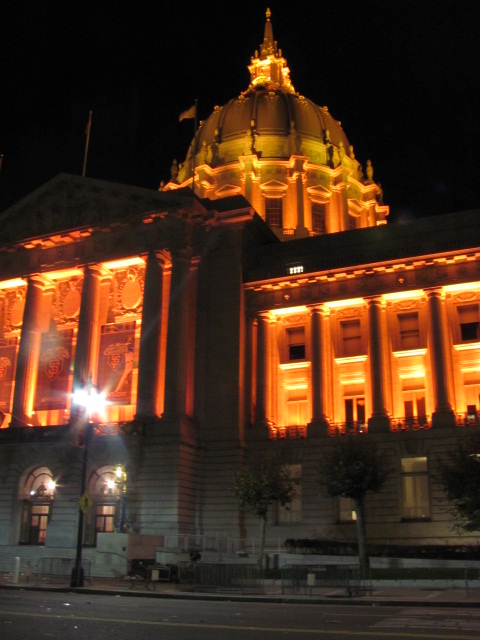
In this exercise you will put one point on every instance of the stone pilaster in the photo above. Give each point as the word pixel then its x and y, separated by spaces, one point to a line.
pixel 149 356
pixel 28 352
pixel 318 424
pixel 379 421
pixel 443 415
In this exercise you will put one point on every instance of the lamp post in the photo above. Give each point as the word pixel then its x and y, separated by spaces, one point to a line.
pixel 92 402
pixel 121 475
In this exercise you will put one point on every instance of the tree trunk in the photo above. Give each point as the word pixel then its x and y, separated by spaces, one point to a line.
pixel 263 529
pixel 361 537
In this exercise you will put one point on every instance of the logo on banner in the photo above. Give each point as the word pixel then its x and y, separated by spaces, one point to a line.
pixel 116 354
pixel 5 363
pixel 53 361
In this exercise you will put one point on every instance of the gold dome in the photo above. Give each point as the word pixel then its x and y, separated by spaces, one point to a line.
pixel 273 143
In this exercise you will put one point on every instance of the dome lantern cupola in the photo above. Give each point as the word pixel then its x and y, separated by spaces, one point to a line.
pixel 269 69
pixel 288 156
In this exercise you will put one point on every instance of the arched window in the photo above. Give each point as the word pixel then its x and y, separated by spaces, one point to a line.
pixel 38 493
pixel 105 488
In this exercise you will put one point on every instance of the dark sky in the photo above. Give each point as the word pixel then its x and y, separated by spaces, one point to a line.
pixel 402 76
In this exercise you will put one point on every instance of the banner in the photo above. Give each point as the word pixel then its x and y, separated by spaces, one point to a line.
pixel 115 363
pixel 53 370
pixel 8 360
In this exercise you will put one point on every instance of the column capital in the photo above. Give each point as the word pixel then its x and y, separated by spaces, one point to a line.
pixel 318 309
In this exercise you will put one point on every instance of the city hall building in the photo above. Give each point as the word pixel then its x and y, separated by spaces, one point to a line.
pixel 257 305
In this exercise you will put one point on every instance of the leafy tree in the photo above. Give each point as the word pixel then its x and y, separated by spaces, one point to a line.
pixel 351 468
pixel 258 485
pixel 459 475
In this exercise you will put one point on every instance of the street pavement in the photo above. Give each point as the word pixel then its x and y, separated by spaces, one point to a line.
pixel 382 593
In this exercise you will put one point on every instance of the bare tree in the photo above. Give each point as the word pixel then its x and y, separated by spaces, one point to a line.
pixel 351 468
pixel 258 485
pixel 459 475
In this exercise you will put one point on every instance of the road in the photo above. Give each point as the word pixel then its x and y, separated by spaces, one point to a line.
pixel 62 616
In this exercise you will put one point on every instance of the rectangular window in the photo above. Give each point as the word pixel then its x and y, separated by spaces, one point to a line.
pixel 469 323
pixel 354 413
pixel 415 492
pixel 34 523
pixel 105 518
pixel 274 212
pixel 351 337
pixel 409 331
pixel 296 343
pixel 415 408
pixel 292 513
pixel 346 510
pixel 318 218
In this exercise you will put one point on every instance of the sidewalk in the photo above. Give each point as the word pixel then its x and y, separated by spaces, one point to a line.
pixel 382 594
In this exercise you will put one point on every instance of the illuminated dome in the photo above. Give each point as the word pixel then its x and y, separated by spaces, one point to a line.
pixel 288 156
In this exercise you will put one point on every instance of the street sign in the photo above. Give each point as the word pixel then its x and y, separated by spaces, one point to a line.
pixel 85 503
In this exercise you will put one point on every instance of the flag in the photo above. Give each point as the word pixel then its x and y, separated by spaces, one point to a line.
pixel 188 113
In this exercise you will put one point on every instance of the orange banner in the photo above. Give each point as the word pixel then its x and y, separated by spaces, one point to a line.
pixel 8 360
pixel 53 370
pixel 115 363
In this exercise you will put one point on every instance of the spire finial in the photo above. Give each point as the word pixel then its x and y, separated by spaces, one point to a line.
pixel 268 13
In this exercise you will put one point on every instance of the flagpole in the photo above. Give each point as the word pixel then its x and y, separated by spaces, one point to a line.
pixel 87 142
pixel 193 146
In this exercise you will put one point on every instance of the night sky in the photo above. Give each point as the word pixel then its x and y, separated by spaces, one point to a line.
pixel 402 76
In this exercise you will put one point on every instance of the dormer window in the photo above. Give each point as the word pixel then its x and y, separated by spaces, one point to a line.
pixel 274 212
pixel 469 323
pixel 296 343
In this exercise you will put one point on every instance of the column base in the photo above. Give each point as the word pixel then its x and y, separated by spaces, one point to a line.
pixel 317 427
pixel 379 424
pixel 443 419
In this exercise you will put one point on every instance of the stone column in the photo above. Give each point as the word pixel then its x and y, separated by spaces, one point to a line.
pixel 263 369
pixel 28 352
pixel 378 422
pixel 177 338
pixel 318 424
pixel 87 336
pixel 149 356
pixel 443 416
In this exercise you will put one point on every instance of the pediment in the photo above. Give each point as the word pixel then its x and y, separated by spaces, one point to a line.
pixel 228 190
pixel 70 202
pixel 319 192
pixel 273 185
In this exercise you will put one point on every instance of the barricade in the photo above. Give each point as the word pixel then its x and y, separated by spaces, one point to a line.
pixel 59 570
pixel 212 577
pixel 304 579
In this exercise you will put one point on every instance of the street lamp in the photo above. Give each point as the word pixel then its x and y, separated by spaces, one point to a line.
pixel 92 402
pixel 121 478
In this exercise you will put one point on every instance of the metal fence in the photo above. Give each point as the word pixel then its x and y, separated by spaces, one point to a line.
pixel 209 576
pixel 58 570
pixel 303 579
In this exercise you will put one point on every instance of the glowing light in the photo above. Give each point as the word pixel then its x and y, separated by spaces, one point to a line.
pixel 127 262
pixel 51 484
pixel 110 485
pixel 294 270
pixel 350 359
pixel 288 311
pixel 338 304
pixel 464 286
pixel 12 284
pixel 292 366
pixel 91 399
pixel 412 375
pixel 63 274
pixel 411 353
pixel 471 346
pixel 353 381
pixel 404 295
